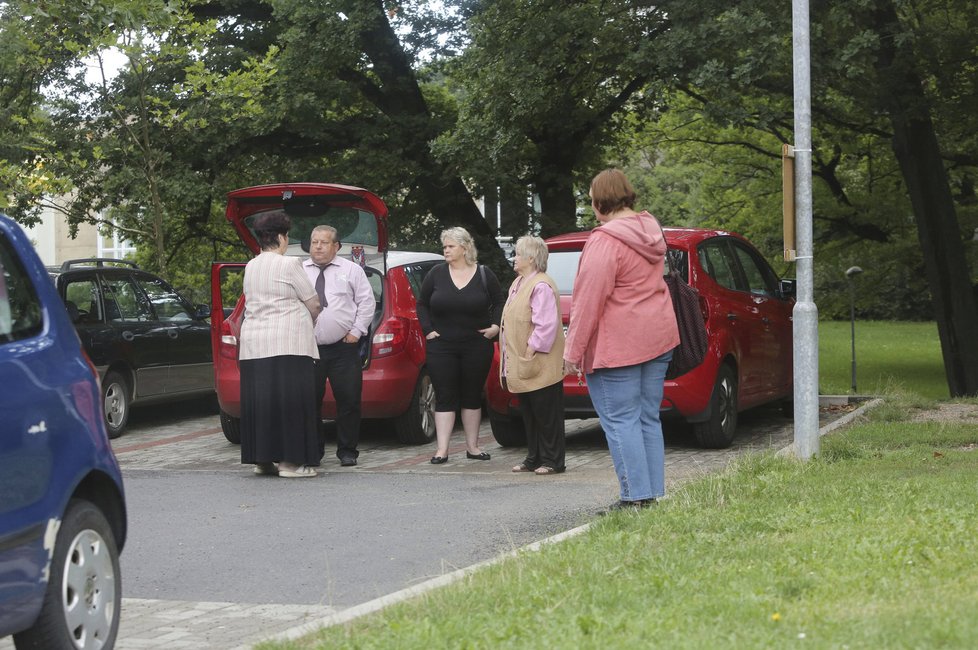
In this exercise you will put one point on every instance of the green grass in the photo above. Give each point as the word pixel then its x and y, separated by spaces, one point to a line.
pixel 869 545
pixel 890 357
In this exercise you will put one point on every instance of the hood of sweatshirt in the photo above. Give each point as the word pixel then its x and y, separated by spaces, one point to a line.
pixel 640 232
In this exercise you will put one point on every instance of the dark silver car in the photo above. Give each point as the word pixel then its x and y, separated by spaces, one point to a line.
pixel 148 343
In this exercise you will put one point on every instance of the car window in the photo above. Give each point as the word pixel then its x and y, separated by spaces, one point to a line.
pixel 82 295
pixel 376 281
pixel 676 258
pixel 167 303
pixel 124 301
pixel 562 267
pixel 416 274
pixel 717 260
pixel 760 277
pixel 20 309
pixel 352 225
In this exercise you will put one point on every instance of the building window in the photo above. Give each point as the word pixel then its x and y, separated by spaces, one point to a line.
pixel 113 245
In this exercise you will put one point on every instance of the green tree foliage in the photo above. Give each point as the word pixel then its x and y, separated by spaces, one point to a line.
pixel 541 86
pixel 879 69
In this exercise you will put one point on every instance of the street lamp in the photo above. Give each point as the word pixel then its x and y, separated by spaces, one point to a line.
pixel 852 272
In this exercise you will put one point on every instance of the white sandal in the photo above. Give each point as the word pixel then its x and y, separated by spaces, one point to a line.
pixel 266 469
pixel 299 472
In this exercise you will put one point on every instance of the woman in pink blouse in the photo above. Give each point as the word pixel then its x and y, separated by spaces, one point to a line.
pixel 532 365
pixel 279 410
pixel 621 335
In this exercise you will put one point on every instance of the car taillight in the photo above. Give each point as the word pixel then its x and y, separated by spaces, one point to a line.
pixel 229 342
pixel 391 337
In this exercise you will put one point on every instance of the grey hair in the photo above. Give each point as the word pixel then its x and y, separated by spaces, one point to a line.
pixel 329 229
pixel 461 236
pixel 534 250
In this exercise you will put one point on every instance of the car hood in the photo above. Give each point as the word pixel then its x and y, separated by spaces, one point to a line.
pixel 359 216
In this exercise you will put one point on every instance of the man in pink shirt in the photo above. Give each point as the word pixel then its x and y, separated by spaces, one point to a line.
pixel 348 307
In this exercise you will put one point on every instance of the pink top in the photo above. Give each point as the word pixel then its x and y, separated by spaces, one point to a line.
pixel 543 314
pixel 622 313
pixel 349 298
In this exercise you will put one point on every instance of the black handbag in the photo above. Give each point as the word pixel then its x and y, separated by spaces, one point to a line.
pixel 693 340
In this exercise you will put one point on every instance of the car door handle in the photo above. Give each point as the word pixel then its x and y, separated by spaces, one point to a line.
pixel 731 316
pixel 172 334
pixel 128 336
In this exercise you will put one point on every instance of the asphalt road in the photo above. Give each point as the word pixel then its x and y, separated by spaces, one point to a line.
pixel 203 527
pixel 218 557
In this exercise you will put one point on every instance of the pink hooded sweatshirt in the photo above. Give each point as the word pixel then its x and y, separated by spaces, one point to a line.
pixel 622 313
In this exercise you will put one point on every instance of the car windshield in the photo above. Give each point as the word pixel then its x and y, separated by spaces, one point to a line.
pixel 352 225
pixel 562 267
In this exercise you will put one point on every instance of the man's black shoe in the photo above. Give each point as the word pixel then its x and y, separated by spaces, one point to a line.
pixel 349 461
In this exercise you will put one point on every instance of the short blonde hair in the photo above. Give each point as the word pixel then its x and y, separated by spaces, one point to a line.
pixel 461 236
pixel 534 250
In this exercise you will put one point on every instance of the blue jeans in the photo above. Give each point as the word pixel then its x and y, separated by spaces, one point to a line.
pixel 627 400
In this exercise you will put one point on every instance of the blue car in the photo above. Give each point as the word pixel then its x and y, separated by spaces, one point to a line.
pixel 62 505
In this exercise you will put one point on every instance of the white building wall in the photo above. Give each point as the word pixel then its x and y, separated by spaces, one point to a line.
pixel 54 245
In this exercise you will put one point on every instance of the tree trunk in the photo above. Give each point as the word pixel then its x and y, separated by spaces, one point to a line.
pixel 398 95
pixel 554 182
pixel 919 156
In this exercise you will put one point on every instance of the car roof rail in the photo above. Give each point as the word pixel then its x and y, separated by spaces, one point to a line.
pixel 97 261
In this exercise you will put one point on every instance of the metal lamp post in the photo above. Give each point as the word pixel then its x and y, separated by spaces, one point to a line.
pixel 851 272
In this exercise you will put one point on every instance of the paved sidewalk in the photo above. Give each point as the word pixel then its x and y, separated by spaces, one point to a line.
pixel 195 442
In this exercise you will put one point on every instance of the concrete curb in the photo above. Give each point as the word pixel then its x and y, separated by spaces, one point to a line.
pixel 408 593
pixel 825 400
pixel 378 604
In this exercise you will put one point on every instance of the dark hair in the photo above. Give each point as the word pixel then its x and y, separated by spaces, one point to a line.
pixel 269 226
pixel 611 191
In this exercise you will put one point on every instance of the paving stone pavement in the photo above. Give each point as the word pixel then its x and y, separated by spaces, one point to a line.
pixel 190 438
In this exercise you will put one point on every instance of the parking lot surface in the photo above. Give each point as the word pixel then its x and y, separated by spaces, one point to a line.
pixel 178 441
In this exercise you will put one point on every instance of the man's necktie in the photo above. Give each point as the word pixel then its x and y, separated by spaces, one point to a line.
pixel 321 286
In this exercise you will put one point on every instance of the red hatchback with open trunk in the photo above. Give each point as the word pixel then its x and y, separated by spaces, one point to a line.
pixel 395 382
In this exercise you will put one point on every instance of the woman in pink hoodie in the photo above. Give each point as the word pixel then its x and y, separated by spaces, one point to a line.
pixel 621 335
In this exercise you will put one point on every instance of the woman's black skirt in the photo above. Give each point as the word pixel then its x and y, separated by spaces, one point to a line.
pixel 279 410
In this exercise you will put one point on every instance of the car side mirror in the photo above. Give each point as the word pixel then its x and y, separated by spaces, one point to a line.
pixel 787 288
pixel 72 311
pixel 203 312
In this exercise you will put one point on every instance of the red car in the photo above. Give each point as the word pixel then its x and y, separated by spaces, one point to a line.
pixel 747 310
pixel 395 383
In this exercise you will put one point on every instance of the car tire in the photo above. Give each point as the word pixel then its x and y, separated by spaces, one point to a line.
pixel 719 430
pixel 84 594
pixel 508 430
pixel 116 400
pixel 231 427
pixel 787 407
pixel 417 425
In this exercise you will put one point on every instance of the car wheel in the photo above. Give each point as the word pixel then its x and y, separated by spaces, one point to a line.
pixel 115 397
pixel 417 425
pixel 788 407
pixel 719 430
pixel 508 430
pixel 84 594
pixel 231 427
